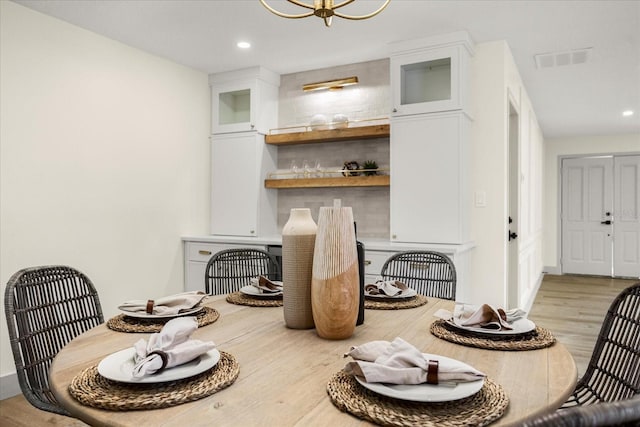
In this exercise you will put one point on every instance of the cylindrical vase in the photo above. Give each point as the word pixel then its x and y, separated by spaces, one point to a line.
pixel 335 283
pixel 298 242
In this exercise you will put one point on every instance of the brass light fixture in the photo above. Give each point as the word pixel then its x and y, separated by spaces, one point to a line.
pixel 330 84
pixel 325 9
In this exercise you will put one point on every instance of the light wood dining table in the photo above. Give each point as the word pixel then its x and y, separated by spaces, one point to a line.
pixel 284 372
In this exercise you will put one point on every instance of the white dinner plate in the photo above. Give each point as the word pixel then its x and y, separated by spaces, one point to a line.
pixel 409 293
pixel 252 291
pixel 520 326
pixel 141 315
pixel 119 367
pixel 425 392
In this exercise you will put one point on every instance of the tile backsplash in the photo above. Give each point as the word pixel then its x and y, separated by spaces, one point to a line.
pixel 369 99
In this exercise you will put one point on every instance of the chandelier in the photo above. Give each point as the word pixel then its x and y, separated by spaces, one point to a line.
pixel 325 9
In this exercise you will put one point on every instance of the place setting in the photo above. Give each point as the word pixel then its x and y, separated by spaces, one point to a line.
pixel 391 295
pixel 488 327
pixel 167 370
pixel 147 316
pixel 394 383
pixel 260 292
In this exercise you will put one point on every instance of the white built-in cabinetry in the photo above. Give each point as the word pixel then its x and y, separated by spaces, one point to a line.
pixel 244 108
pixel 429 152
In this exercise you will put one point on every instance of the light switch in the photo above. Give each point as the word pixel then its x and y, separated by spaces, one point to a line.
pixel 481 199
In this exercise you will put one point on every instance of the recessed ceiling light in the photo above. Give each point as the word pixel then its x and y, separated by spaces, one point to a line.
pixel 243 45
pixel 627 113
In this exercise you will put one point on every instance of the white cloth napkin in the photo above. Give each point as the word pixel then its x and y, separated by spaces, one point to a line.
pixel 265 285
pixel 484 316
pixel 390 288
pixel 168 348
pixel 398 362
pixel 171 304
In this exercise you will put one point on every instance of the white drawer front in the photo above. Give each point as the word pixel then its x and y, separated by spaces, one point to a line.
pixel 203 251
pixel 373 261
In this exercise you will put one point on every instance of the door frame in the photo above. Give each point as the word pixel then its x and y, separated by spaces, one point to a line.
pixel 513 206
pixel 560 158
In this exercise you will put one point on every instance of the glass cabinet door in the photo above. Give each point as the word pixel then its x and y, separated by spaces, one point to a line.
pixel 233 107
pixel 427 81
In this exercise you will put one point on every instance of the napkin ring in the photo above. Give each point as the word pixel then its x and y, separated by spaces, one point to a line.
pixel 164 356
pixel 432 372
pixel 150 304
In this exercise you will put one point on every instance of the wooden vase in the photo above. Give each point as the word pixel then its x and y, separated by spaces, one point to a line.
pixel 298 241
pixel 335 283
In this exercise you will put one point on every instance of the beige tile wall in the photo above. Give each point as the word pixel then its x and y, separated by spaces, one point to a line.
pixel 368 100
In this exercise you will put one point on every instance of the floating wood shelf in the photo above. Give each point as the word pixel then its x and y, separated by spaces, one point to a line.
pixel 346 181
pixel 315 136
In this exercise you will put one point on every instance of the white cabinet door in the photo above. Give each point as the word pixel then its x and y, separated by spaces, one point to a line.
pixel 240 205
pixel 429 188
pixel 430 75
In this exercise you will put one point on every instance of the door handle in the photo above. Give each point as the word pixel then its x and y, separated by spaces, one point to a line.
pixel 607 222
pixel 512 235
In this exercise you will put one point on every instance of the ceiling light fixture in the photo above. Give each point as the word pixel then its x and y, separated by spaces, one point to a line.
pixel 325 9
pixel 330 84
pixel 627 113
pixel 243 45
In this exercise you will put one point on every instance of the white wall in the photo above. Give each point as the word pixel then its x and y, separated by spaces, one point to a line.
pixel 555 149
pixel 494 77
pixel 104 159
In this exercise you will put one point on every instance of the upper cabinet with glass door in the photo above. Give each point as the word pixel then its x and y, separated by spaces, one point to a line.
pixel 431 75
pixel 244 100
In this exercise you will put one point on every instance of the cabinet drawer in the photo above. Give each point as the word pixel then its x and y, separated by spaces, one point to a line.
pixel 373 261
pixel 203 251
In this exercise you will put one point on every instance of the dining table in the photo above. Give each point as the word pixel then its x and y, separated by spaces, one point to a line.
pixel 283 372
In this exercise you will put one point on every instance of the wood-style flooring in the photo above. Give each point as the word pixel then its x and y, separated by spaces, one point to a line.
pixel 572 307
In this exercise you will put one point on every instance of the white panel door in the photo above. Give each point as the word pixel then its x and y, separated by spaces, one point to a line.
pixel 626 249
pixel 587 204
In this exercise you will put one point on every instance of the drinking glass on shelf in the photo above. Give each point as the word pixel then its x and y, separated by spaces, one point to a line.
pixel 318 169
pixel 306 169
pixel 293 168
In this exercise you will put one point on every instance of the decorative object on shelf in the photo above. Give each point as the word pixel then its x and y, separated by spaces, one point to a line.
pixel 335 84
pixel 349 167
pixel 298 242
pixel 370 168
pixel 319 122
pixel 325 9
pixel 339 121
pixel 335 288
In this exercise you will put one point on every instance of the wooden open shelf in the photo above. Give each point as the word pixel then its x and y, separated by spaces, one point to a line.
pixel 315 136
pixel 346 181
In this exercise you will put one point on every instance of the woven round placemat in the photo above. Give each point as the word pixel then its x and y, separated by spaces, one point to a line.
pixel 124 323
pixel 242 299
pixel 540 338
pixel 480 409
pixel 92 389
pixel 416 301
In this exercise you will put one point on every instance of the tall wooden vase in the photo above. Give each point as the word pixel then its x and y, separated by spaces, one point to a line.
pixel 298 241
pixel 335 287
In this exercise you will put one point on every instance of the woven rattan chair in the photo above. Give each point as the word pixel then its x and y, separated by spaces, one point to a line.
pixel 429 273
pixel 618 413
pixel 613 372
pixel 229 270
pixel 46 307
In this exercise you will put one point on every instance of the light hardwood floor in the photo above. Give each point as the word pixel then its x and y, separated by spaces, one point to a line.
pixel 572 307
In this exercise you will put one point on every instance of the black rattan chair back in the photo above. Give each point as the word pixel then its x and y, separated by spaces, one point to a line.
pixel 429 273
pixel 229 270
pixel 613 372
pixel 620 413
pixel 46 307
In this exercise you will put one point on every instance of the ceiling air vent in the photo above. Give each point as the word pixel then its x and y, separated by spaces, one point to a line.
pixel 558 59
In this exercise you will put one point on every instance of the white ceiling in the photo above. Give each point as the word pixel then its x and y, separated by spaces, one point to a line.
pixel 573 100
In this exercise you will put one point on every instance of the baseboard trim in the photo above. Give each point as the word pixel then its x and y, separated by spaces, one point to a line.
pixel 557 270
pixel 9 386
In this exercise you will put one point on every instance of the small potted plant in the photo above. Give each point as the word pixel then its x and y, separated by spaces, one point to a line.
pixel 370 168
